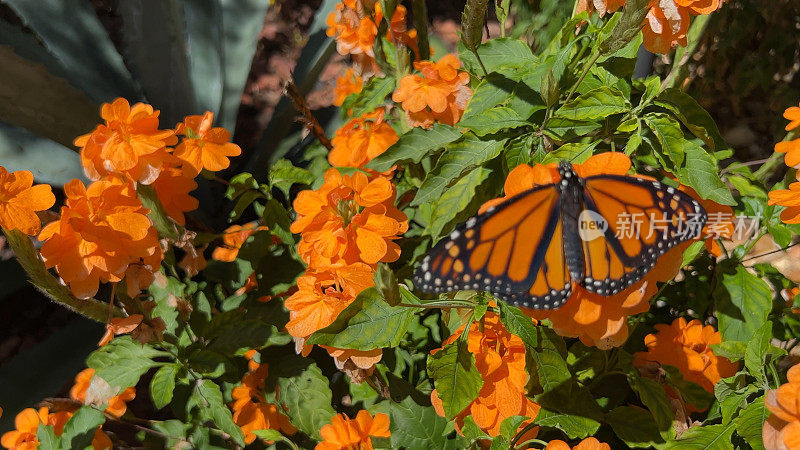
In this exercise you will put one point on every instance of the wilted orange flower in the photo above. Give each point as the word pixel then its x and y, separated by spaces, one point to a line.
pixel 20 199
pixel 204 146
pixel 601 6
pixel 193 261
pixel 120 325
pixel 500 358
pixel 586 444
pixel 27 424
pixel 665 28
pixel 349 218
pixel 354 30
pixel 321 296
pixel 344 433
pixel 251 412
pixel 597 320
pixel 357 364
pixel 347 84
pixel 103 230
pixel 117 405
pixel 781 431
pixel 129 143
pixel 233 238
pixel 172 187
pixel 687 346
pixel 440 94
pixel 361 139
pixel 790 199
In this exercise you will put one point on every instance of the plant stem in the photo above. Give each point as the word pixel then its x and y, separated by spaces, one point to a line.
pixel 583 75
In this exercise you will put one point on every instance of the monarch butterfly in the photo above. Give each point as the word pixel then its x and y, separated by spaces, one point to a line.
pixel 529 249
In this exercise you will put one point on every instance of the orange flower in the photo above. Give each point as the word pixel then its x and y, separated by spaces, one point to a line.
pixel 20 199
pixel 792 114
pixel 782 429
pixel 172 187
pixel 349 218
pixel 665 28
pixel 687 346
pixel 347 84
pixel 27 424
pixel 500 358
pixel 597 320
pixel 204 147
pixel 361 139
pixel 586 444
pixel 233 238
pixel 440 94
pixel 250 410
pixel 699 7
pixel 792 150
pixel 103 230
pixel 357 364
pixel 354 32
pixel 601 6
pixel 344 433
pixel 321 296
pixel 129 143
pixel 120 325
pixel 116 404
pixel 790 199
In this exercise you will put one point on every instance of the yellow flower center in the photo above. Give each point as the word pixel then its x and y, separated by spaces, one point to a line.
pixel 347 210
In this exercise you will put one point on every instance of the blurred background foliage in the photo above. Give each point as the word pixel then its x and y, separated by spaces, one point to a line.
pixel 60 59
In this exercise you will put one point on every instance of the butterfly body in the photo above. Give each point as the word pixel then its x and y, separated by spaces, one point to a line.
pixel 531 248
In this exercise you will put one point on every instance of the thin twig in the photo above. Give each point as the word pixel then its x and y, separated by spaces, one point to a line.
pixel 307 118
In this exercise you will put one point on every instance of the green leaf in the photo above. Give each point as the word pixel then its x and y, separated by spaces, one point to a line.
pixel 496 54
pixel 755 354
pixel 709 437
pixel 690 392
pixel 455 377
pixel 154 47
pixel 693 116
pixel 268 435
pixel 462 199
pixel 283 174
pixel 733 350
pixel 627 28
pixel 414 145
pixel 48 440
pixel 458 158
pixel 416 426
pixel 730 397
pixel 162 386
pixel 80 428
pixel 493 90
pixel 751 421
pixel 518 150
pixel 49 162
pixel 562 129
pixel 207 397
pixel 574 152
pixel 743 303
pixel 634 425
pixel 276 218
pixel 494 120
pixel 702 174
pixel 371 96
pixel 670 136
pixel 162 222
pixel 304 393
pixel 123 361
pixel 205 52
pixel 596 104
pixel 655 399
pixel 367 323
pixel 472 23
pixel 691 252
pixel 574 425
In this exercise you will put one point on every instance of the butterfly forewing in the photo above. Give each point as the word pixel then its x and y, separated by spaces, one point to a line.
pixel 513 250
pixel 643 219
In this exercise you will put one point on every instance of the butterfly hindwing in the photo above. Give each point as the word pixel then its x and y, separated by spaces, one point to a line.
pixel 514 250
pixel 644 220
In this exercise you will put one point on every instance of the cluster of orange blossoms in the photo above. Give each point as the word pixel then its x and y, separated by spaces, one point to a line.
pixel 344 433
pixel 439 94
pixel 361 139
pixel 781 431
pixel 348 83
pixel 347 226
pixel 250 410
pixel 27 425
pixel 354 25
pixel 500 359
pixel 667 22
pixel 687 346
pixel 597 320
pixel 104 233
pixel 789 198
